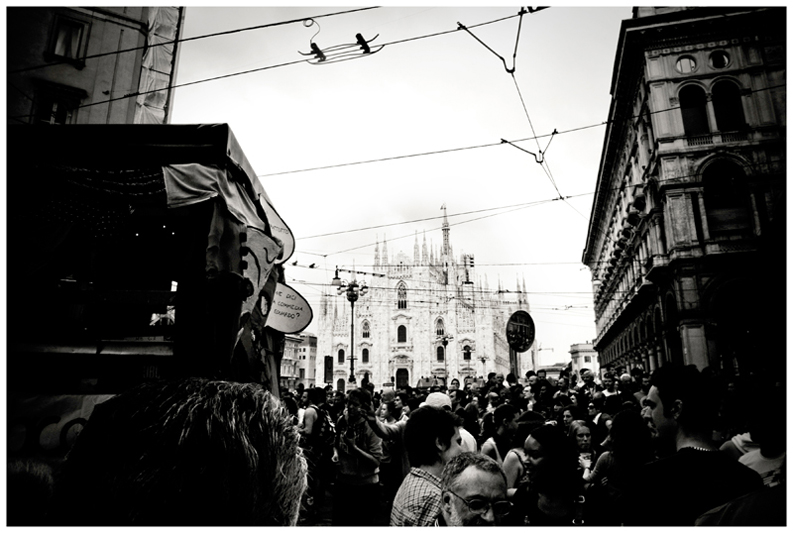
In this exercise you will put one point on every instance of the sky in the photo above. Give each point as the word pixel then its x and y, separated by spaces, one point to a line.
pixel 370 148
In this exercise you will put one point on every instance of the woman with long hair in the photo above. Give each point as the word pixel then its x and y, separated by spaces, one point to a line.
pixel 553 496
pixel 580 434
pixel 631 447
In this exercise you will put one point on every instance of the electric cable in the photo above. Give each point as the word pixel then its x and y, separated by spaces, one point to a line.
pixel 194 38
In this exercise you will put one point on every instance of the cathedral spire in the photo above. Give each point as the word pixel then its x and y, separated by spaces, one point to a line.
pixel 385 261
pixel 424 259
pixel 376 252
pixel 445 229
pixel 416 258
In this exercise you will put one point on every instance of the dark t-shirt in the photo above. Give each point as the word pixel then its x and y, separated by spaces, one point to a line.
pixel 675 490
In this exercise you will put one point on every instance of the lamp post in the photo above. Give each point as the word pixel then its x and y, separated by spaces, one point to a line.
pixel 483 359
pixel 445 341
pixel 352 290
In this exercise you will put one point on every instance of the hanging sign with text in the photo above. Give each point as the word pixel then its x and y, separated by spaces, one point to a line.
pixel 289 312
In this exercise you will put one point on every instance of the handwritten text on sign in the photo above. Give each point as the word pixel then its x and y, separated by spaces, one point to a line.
pixel 289 312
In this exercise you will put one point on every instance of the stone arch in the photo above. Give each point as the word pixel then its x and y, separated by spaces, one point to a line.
pixel 728 105
pixel 694 109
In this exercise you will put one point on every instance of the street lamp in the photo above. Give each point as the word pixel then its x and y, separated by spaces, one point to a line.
pixel 445 341
pixel 483 359
pixel 352 290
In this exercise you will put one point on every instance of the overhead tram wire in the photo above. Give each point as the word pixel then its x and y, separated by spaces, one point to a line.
pixel 260 69
pixel 197 37
pixel 475 147
pixel 523 204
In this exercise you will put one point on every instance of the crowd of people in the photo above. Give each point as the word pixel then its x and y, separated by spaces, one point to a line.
pixel 678 447
pixel 671 448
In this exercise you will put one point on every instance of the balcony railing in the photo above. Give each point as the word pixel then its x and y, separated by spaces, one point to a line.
pixel 717 138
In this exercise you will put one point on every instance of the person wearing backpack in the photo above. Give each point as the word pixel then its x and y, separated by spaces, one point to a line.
pixel 313 430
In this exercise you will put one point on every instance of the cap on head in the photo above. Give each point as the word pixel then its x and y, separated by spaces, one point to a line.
pixel 438 400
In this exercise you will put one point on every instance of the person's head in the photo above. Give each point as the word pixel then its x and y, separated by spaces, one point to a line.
pixel 454 384
pixel 315 396
pixel 583 436
pixel 473 491
pixel 630 438
pixel 646 384
pixel 552 461
pixel 438 400
pixel 493 398
pixel 595 405
pixel 587 376
pixel 189 452
pixel 544 389
pixel 527 422
pixel 291 405
pixel 504 418
pixel 563 383
pixel 500 378
pixel 431 436
pixel 388 395
pixel 392 411
pixel 532 380
pixel 511 379
pixel 491 378
pixel 401 400
pixel 413 404
pixel 542 374
pixel 680 400
pixel 608 381
pixel 559 403
pixel 567 415
pixel 458 398
pixel 358 401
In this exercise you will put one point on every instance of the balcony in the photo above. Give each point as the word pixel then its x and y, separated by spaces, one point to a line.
pixel 717 138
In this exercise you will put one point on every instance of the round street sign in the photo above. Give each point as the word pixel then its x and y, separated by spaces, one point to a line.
pixel 520 331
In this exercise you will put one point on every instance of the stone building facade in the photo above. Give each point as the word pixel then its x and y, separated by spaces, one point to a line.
pixel 414 304
pixel 583 355
pixel 686 239
pixel 92 65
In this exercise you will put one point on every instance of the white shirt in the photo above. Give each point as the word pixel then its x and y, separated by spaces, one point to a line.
pixel 469 442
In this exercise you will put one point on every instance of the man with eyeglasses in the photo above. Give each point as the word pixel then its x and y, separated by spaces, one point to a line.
pixel 473 492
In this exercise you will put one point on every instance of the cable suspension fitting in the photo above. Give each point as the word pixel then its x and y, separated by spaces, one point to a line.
pixel 340 52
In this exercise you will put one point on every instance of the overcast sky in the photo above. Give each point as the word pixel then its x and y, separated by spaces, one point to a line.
pixel 419 95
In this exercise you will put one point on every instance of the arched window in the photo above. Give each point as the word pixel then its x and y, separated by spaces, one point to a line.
pixel 402 334
pixel 365 330
pixel 402 296
pixel 693 106
pixel 341 356
pixel 466 353
pixel 365 355
pixel 726 197
pixel 340 385
pixel 439 330
pixel 728 107
pixel 440 354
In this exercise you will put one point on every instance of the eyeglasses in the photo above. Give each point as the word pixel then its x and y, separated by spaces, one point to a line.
pixel 480 505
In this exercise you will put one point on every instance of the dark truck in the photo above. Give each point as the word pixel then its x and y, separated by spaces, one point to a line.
pixel 134 252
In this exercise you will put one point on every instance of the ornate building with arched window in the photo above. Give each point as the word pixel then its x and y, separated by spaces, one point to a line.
pixel 686 239
pixel 426 316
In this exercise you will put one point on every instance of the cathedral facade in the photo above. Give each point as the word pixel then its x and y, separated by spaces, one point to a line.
pixel 423 318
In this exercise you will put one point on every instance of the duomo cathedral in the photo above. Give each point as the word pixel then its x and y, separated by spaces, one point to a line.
pixel 423 318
